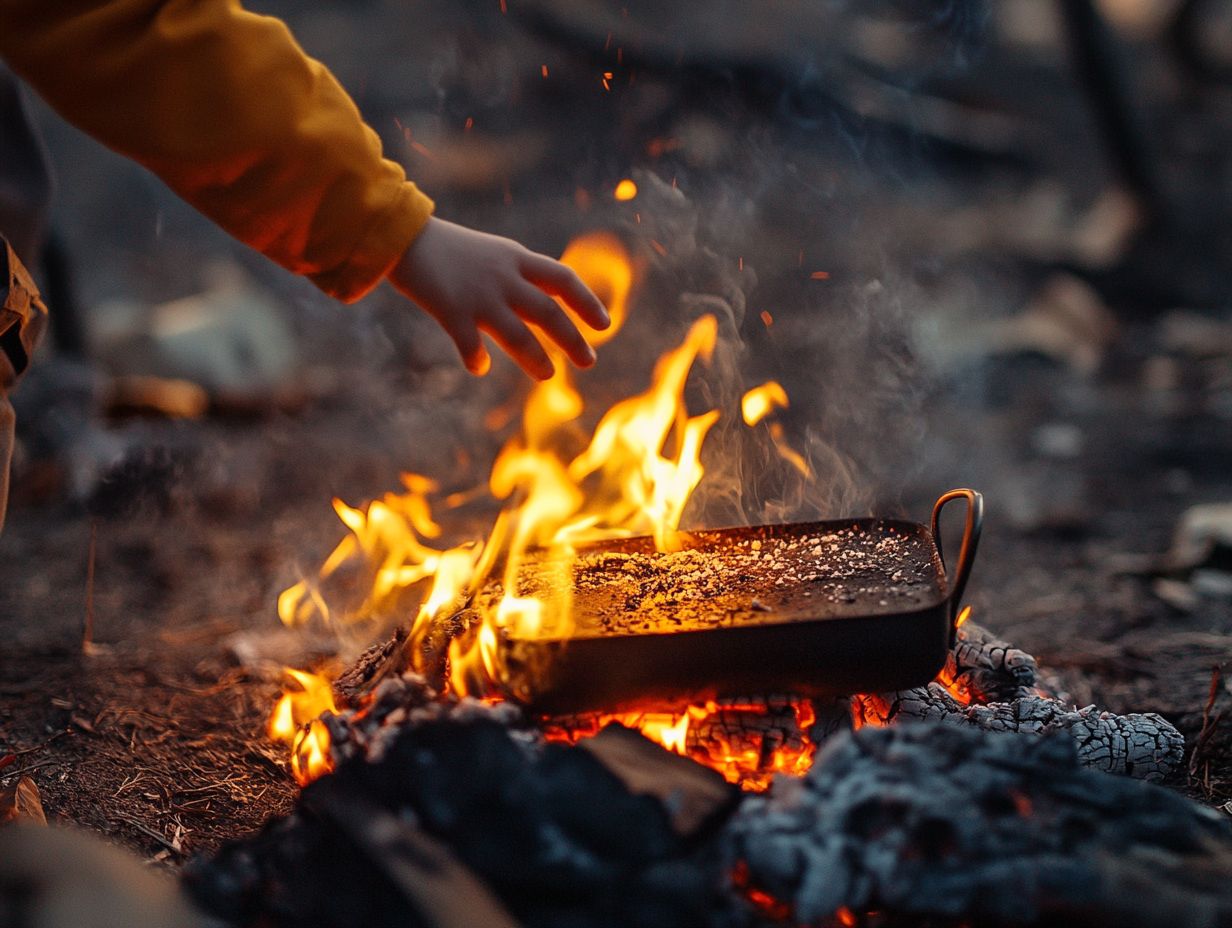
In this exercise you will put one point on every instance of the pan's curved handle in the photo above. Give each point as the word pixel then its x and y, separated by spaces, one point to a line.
pixel 966 552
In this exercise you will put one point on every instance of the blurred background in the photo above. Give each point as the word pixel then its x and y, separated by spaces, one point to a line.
pixel 980 244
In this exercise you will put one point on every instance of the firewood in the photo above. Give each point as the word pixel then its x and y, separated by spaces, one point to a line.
pixel 1142 745
pixel 431 880
pixel 695 796
pixel 381 660
pixel 549 829
pixel 941 822
pixel 988 669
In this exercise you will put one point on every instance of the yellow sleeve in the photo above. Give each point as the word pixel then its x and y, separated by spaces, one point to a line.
pixel 226 108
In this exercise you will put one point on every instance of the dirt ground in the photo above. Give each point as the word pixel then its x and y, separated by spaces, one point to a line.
pixel 965 332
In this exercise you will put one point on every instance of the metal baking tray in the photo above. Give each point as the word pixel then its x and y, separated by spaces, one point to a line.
pixel 814 609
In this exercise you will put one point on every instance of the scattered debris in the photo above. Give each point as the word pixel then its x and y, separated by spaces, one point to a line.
pixel 20 803
pixel 1203 538
pixel 230 341
pixel 1199 760
pixel 1066 321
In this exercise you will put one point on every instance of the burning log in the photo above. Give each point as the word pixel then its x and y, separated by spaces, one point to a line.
pixel 1142 745
pixel 983 668
pixel 381 660
pixel 695 798
pixel 936 821
pixel 747 739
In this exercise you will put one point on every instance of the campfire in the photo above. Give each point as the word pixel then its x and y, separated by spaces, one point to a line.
pixel 681 636
pixel 593 712
pixel 587 605
pixel 496 613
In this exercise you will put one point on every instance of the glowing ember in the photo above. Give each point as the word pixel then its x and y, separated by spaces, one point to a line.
pixel 761 401
pixel 625 190
pixel 742 741
pixel 766 904
pixel 872 709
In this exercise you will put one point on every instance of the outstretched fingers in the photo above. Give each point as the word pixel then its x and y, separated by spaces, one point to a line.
pixel 470 346
pixel 519 343
pixel 536 307
pixel 560 280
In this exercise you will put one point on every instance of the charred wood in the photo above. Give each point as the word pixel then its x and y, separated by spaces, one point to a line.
pixel 381 660
pixel 986 669
pixel 696 797
pixel 942 822
pixel 1142 745
pixel 407 701
pixel 431 881
pixel 555 836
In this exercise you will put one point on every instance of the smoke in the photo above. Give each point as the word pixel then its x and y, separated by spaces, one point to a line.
pixel 844 355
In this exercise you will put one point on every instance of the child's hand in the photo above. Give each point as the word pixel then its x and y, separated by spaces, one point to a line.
pixel 472 282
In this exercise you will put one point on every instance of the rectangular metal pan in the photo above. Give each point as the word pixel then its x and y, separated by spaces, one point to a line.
pixel 814 609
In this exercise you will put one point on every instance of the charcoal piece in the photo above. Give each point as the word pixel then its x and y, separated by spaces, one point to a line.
pixel 986 669
pixel 550 831
pixel 429 878
pixel 695 797
pixel 1142 745
pixel 408 699
pixel 299 872
pixel 382 660
pixel 944 822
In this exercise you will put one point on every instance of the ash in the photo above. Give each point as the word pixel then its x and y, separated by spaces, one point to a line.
pixel 944 822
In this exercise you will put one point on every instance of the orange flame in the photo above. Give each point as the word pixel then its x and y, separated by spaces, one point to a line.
pixel 711 734
pixel 873 709
pixel 633 476
pixel 758 403
pixel 295 721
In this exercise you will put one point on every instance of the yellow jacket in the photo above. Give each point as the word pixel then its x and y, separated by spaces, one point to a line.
pixel 226 108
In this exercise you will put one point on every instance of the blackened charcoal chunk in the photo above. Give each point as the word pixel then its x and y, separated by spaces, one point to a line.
pixel 443 771
pixel 594 808
pixel 553 833
pixel 298 873
pixel 228 886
